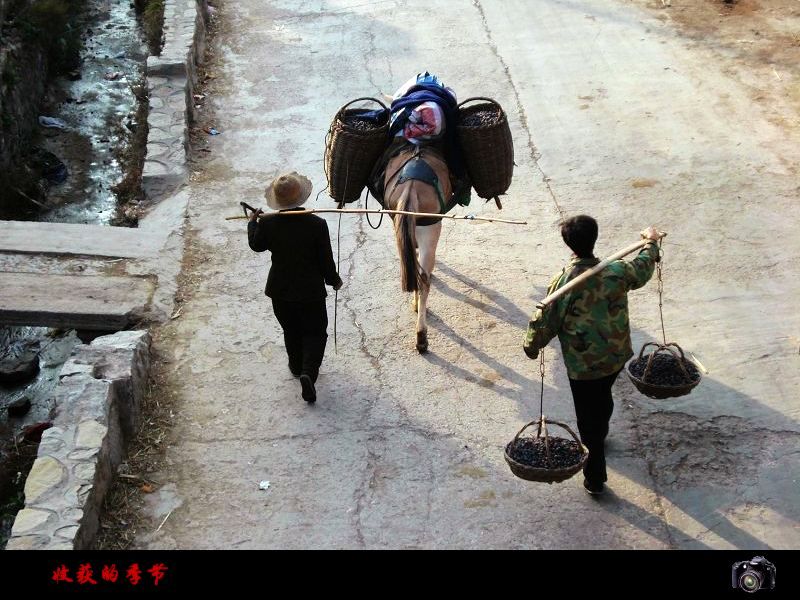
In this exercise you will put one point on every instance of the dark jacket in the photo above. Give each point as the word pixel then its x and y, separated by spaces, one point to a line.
pixel 302 259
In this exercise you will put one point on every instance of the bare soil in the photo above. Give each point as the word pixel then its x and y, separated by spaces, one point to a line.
pixel 763 36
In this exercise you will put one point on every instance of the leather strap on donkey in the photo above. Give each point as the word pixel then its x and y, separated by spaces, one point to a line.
pixel 419 170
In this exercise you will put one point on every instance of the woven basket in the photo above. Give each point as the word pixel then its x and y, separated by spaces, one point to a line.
pixel 542 474
pixel 488 150
pixel 350 154
pixel 661 391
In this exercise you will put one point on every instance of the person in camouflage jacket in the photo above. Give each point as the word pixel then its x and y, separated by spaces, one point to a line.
pixel 591 323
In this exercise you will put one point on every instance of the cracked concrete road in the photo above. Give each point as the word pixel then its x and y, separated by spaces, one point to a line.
pixel 614 112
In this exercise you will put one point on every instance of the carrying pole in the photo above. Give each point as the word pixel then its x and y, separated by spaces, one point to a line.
pixel 593 271
pixel 356 211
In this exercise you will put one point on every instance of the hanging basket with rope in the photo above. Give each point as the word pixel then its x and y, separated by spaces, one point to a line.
pixel 545 458
pixel 676 375
pixel 549 453
pixel 356 139
pixel 663 373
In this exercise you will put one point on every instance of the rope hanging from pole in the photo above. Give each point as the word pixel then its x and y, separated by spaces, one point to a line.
pixel 660 293
pixel 336 292
pixel 541 390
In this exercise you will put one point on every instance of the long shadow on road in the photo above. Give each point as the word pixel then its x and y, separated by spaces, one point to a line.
pixel 725 481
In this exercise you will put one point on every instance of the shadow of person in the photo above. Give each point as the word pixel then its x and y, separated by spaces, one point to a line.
pixel 723 463
pixel 649 522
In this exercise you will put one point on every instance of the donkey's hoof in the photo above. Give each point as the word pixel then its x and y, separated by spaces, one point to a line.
pixel 422 342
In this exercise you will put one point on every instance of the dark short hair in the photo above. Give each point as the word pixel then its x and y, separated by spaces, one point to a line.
pixel 580 234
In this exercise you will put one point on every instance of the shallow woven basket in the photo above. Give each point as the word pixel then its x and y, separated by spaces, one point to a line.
pixel 661 391
pixel 488 150
pixel 542 474
pixel 350 154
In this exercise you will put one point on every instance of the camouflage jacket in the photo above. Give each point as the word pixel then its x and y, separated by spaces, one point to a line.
pixel 592 321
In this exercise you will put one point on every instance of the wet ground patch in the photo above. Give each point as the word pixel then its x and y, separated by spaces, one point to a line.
pixel 686 451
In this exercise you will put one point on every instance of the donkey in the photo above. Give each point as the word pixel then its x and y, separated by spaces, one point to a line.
pixel 417 179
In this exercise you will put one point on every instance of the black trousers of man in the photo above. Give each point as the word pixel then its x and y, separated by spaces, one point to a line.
pixel 305 332
pixel 593 408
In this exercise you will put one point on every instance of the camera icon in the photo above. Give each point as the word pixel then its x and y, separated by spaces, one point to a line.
pixel 752 575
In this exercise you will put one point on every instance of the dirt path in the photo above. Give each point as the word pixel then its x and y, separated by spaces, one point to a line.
pixel 615 112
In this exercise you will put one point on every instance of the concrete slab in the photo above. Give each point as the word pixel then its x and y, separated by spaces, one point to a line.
pixel 28 237
pixel 73 301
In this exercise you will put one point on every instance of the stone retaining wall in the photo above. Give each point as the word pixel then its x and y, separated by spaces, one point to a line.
pixel 97 410
pixel 171 80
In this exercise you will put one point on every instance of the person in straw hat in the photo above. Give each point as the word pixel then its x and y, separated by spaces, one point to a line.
pixel 302 263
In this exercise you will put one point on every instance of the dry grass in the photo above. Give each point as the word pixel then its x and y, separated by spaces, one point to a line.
pixel 153 23
pixel 16 460
pixel 121 520
pixel 129 191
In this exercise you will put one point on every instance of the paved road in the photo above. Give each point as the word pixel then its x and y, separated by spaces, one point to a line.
pixel 614 113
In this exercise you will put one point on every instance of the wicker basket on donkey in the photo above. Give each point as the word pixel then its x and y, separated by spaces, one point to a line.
pixel 352 146
pixel 545 474
pixel 488 149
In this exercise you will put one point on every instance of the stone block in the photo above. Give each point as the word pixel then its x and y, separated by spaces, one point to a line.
pixel 45 475
pixel 29 520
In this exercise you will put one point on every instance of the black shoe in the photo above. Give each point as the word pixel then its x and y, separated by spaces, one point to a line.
pixel 309 393
pixel 594 489
pixel 295 372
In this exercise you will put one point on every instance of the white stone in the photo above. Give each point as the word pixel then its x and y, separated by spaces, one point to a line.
pixel 72 514
pixel 83 454
pixel 52 441
pixel 68 533
pixel 128 340
pixel 84 472
pixel 45 474
pixel 90 434
pixel 27 542
pixel 29 519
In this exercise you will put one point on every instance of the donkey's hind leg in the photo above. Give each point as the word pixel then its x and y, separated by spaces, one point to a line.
pixel 427 240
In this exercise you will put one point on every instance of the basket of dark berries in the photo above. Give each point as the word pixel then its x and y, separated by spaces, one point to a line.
pixel 488 149
pixel 356 139
pixel 545 458
pixel 664 373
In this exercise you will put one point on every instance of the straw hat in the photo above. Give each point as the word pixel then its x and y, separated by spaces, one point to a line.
pixel 289 190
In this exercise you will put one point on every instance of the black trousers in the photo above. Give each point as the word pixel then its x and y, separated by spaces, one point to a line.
pixel 593 408
pixel 305 332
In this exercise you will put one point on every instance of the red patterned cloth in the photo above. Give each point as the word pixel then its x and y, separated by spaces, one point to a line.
pixel 425 123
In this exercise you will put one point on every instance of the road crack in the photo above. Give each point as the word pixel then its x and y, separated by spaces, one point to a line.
pixel 534 153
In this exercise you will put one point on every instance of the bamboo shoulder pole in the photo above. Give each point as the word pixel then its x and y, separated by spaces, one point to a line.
pixel 389 212
pixel 593 271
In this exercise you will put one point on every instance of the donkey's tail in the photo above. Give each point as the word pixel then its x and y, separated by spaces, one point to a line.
pixel 404 232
